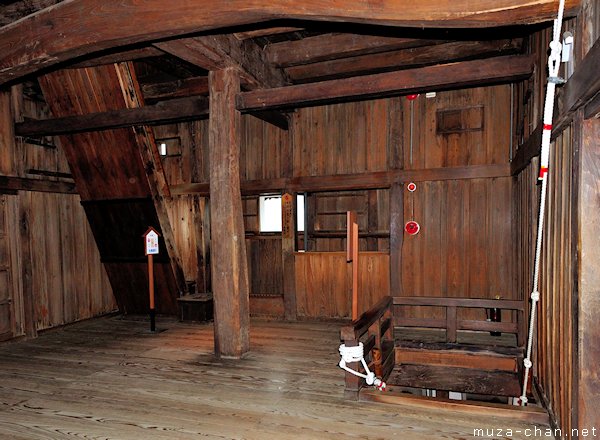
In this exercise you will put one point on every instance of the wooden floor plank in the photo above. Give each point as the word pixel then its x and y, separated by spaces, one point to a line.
pixel 110 379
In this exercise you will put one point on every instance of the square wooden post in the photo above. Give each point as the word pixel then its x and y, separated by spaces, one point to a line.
pixel 288 246
pixel 229 265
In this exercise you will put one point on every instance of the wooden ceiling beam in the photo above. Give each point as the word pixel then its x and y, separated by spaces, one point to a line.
pixel 176 110
pixel 333 46
pixel 403 59
pixel 440 77
pixel 76 28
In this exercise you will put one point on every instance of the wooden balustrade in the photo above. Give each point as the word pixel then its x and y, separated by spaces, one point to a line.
pixel 452 324
pixel 375 330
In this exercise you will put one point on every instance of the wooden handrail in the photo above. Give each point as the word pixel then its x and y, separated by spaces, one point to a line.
pixel 374 329
pixel 458 302
pixel 360 326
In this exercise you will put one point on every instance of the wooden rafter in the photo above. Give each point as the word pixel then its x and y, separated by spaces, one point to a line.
pixel 445 76
pixel 79 27
pixel 403 59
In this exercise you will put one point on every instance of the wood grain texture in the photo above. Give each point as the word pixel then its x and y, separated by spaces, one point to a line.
pixel 110 378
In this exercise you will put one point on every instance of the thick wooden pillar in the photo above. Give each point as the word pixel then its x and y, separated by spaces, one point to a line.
pixel 396 237
pixel 229 265
pixel 589 276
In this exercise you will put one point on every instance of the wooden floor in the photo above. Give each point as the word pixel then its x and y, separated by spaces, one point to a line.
pixel 110 379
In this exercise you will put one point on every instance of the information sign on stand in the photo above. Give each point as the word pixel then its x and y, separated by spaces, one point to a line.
pixel 151 248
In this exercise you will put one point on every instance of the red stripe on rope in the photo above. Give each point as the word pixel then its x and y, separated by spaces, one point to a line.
pixel 543 172
pixel 547 126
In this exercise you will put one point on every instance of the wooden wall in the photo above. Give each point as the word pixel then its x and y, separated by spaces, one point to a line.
pixel 68 281
pixel 348 138
pixel 49 263
pixel 324 283
pixel 465 246
pixel 466 223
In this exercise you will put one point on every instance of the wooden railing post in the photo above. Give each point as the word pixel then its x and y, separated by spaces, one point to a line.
pixel 451 324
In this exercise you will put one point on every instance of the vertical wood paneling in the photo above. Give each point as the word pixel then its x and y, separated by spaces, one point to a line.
pixel 346 138
pixel 69 282
pixel 323 283
pixel 554 357
pixel 265 264
pixel 465 246
pixel 477 143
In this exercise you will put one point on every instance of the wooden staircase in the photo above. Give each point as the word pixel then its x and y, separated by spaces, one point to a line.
pixel 418 359
pixel 462 368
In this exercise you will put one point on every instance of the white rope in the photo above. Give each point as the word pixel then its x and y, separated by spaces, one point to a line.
pixel 356 354
pixel 553 79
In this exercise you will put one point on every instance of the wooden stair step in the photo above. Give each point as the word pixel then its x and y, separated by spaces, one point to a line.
pixel 461 380
pixel 457 355
pixel 492 350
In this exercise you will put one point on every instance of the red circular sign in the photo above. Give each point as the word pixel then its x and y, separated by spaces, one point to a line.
pixel 412 227
pixel 412 97
pixel 412 187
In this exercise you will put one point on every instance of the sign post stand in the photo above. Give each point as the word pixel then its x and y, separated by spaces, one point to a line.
pixel 151 249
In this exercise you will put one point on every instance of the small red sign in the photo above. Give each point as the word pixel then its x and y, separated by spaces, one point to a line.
pixel 412 227
pixel 412 187
pixel 412 97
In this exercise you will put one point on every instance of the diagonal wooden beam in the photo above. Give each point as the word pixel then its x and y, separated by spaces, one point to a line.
pixel 79 27
pixel 403 59
pixel 445 76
